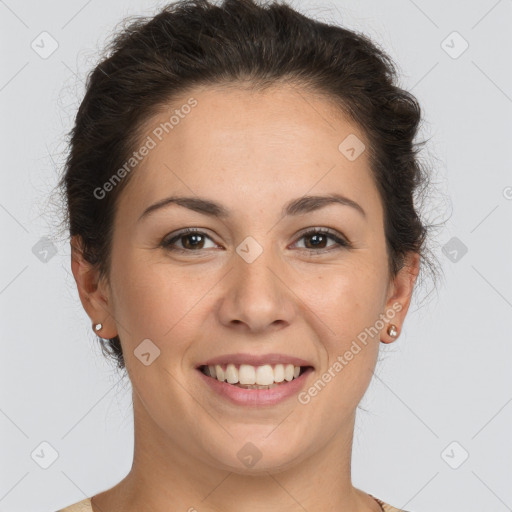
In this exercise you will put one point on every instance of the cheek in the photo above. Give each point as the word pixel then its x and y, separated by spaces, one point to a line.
pixel 348 298
pixel 348 304
pixel 157 300
pixel 349 308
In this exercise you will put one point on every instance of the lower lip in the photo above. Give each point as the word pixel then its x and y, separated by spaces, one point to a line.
pixel 256 397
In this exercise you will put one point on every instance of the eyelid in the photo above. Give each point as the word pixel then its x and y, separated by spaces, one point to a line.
pixel 324 230
pixel 166 242
pixel 341 241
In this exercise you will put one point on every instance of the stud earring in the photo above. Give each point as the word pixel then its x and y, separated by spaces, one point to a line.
pixel 97 327
pixel 393 331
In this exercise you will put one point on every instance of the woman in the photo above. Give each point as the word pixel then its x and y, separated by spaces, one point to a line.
pixel 240 190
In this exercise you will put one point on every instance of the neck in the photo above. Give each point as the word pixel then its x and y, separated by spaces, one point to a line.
pixel 165 473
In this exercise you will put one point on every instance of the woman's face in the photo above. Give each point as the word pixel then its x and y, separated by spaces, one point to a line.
pixel 258 280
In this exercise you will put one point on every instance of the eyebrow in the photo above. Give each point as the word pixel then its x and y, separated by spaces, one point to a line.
pixel 300 206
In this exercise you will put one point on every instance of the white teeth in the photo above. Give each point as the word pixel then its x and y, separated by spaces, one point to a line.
pixel 246 374
pixel 232 374
pixel 278 373
pixel 265 375
pixel 288 372
pixel 220 373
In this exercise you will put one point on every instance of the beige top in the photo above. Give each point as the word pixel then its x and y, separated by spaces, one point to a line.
pixel 85 506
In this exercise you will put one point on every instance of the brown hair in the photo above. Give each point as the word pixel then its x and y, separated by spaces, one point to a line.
pixel 193 42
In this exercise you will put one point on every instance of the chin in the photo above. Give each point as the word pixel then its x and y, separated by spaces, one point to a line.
pixel 258 454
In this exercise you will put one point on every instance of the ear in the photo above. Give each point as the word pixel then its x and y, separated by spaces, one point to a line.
pixel 399 295
pixel 94 293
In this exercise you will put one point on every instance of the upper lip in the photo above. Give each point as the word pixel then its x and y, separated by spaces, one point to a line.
pixel 255 360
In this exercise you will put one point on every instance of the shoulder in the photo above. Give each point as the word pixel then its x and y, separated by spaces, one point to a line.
pixel 85 506
pixel 81 506
pixel 386 507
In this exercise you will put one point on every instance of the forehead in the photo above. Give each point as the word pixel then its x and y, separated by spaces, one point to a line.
pixel 219 141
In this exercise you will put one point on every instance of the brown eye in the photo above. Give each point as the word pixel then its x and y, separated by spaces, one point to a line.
pixel 318 239
pixel 190 239
pixel 194 240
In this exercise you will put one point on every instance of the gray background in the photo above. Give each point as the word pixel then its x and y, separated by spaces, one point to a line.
pixel 441 392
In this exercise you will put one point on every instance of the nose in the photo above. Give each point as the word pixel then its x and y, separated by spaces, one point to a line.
pixel 255 296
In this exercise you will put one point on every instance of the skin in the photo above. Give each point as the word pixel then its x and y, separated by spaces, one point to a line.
pixel 252 152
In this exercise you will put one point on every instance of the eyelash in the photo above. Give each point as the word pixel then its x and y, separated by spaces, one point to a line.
pixel 333 235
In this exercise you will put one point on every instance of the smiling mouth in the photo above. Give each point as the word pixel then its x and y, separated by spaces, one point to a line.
pixel 269 378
